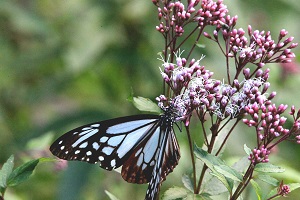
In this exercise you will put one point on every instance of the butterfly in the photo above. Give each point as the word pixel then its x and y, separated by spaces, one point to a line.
pixel 144 145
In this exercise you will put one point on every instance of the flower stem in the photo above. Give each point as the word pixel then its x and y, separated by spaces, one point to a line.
pixel 192 156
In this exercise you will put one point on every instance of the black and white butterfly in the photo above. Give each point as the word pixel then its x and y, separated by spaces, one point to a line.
pixel 144 145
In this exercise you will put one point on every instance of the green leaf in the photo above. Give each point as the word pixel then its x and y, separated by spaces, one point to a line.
pixel 213 186
pixel 268 168
pixel 229 172
pixel 22 173
pixel 242 164
pixel 202 46
pixel 212 161
pixel 228 183
pixel 204 196
pixel 257 189
pixel 268 179
pixel 247 150
pixel 175 193
pixel 144 104
pixel 47 159
pixel 6 170
pixel 188 182
pixel 294 186
pixel 207 158
pixel 111 196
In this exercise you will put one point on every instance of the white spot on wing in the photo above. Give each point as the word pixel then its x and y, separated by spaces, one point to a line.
pixel 113 162
pixel 96 146
pixel 114 141
pixel 152 163
pixel 83 145
pixel 140 160
pixel 138 152
pixel 101 158
pixel 151 146
pixel 144 166
pixel 88 153
pixel 95 125
pixel 128 126
pixel 62 147
pixel 60 142
pixel 103 139
pixel 77 151
pixel 131 140
pixel 107 150
pixel 85 135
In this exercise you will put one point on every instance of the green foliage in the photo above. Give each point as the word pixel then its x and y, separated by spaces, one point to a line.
pixel 111 196
pixel 268 168
pixel 257 189
pixel 218 168
pixel 67 63
pixel 145 104
pixel 10 177
pixel 6 171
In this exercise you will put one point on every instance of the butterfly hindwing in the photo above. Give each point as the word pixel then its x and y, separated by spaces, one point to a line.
pixel 109 142
pixel 166 161
pixel 138 168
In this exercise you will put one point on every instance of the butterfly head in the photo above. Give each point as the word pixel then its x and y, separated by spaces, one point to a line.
pixel 174 109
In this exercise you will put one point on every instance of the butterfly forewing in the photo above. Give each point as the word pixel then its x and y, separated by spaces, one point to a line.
pixel 109 142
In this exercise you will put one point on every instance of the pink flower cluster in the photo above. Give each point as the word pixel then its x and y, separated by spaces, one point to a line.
pixel 261 48
pixel 267 121
pixel 178 76
pixel 283 189
pixel 174 16
pixel 194 89
pixel 259 155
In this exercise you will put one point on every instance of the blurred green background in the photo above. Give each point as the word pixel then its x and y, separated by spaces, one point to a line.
pixel 67 63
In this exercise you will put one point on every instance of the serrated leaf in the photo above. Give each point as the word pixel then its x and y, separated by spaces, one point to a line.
pixel 211 161
pixel 294 186
pixel 145 104
pixel 6 171
pixel 247 150
pixel 175 193
pixel 268 179
pixel 22 173
pixel 187 182
pixel 192 196
pixel 229 172
pixel 228 183
pixel 257 189
pixel 242 164
pixel 213 186
pixel 268 168
pixel 111 196
pixel 205 196
pixel 207 158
